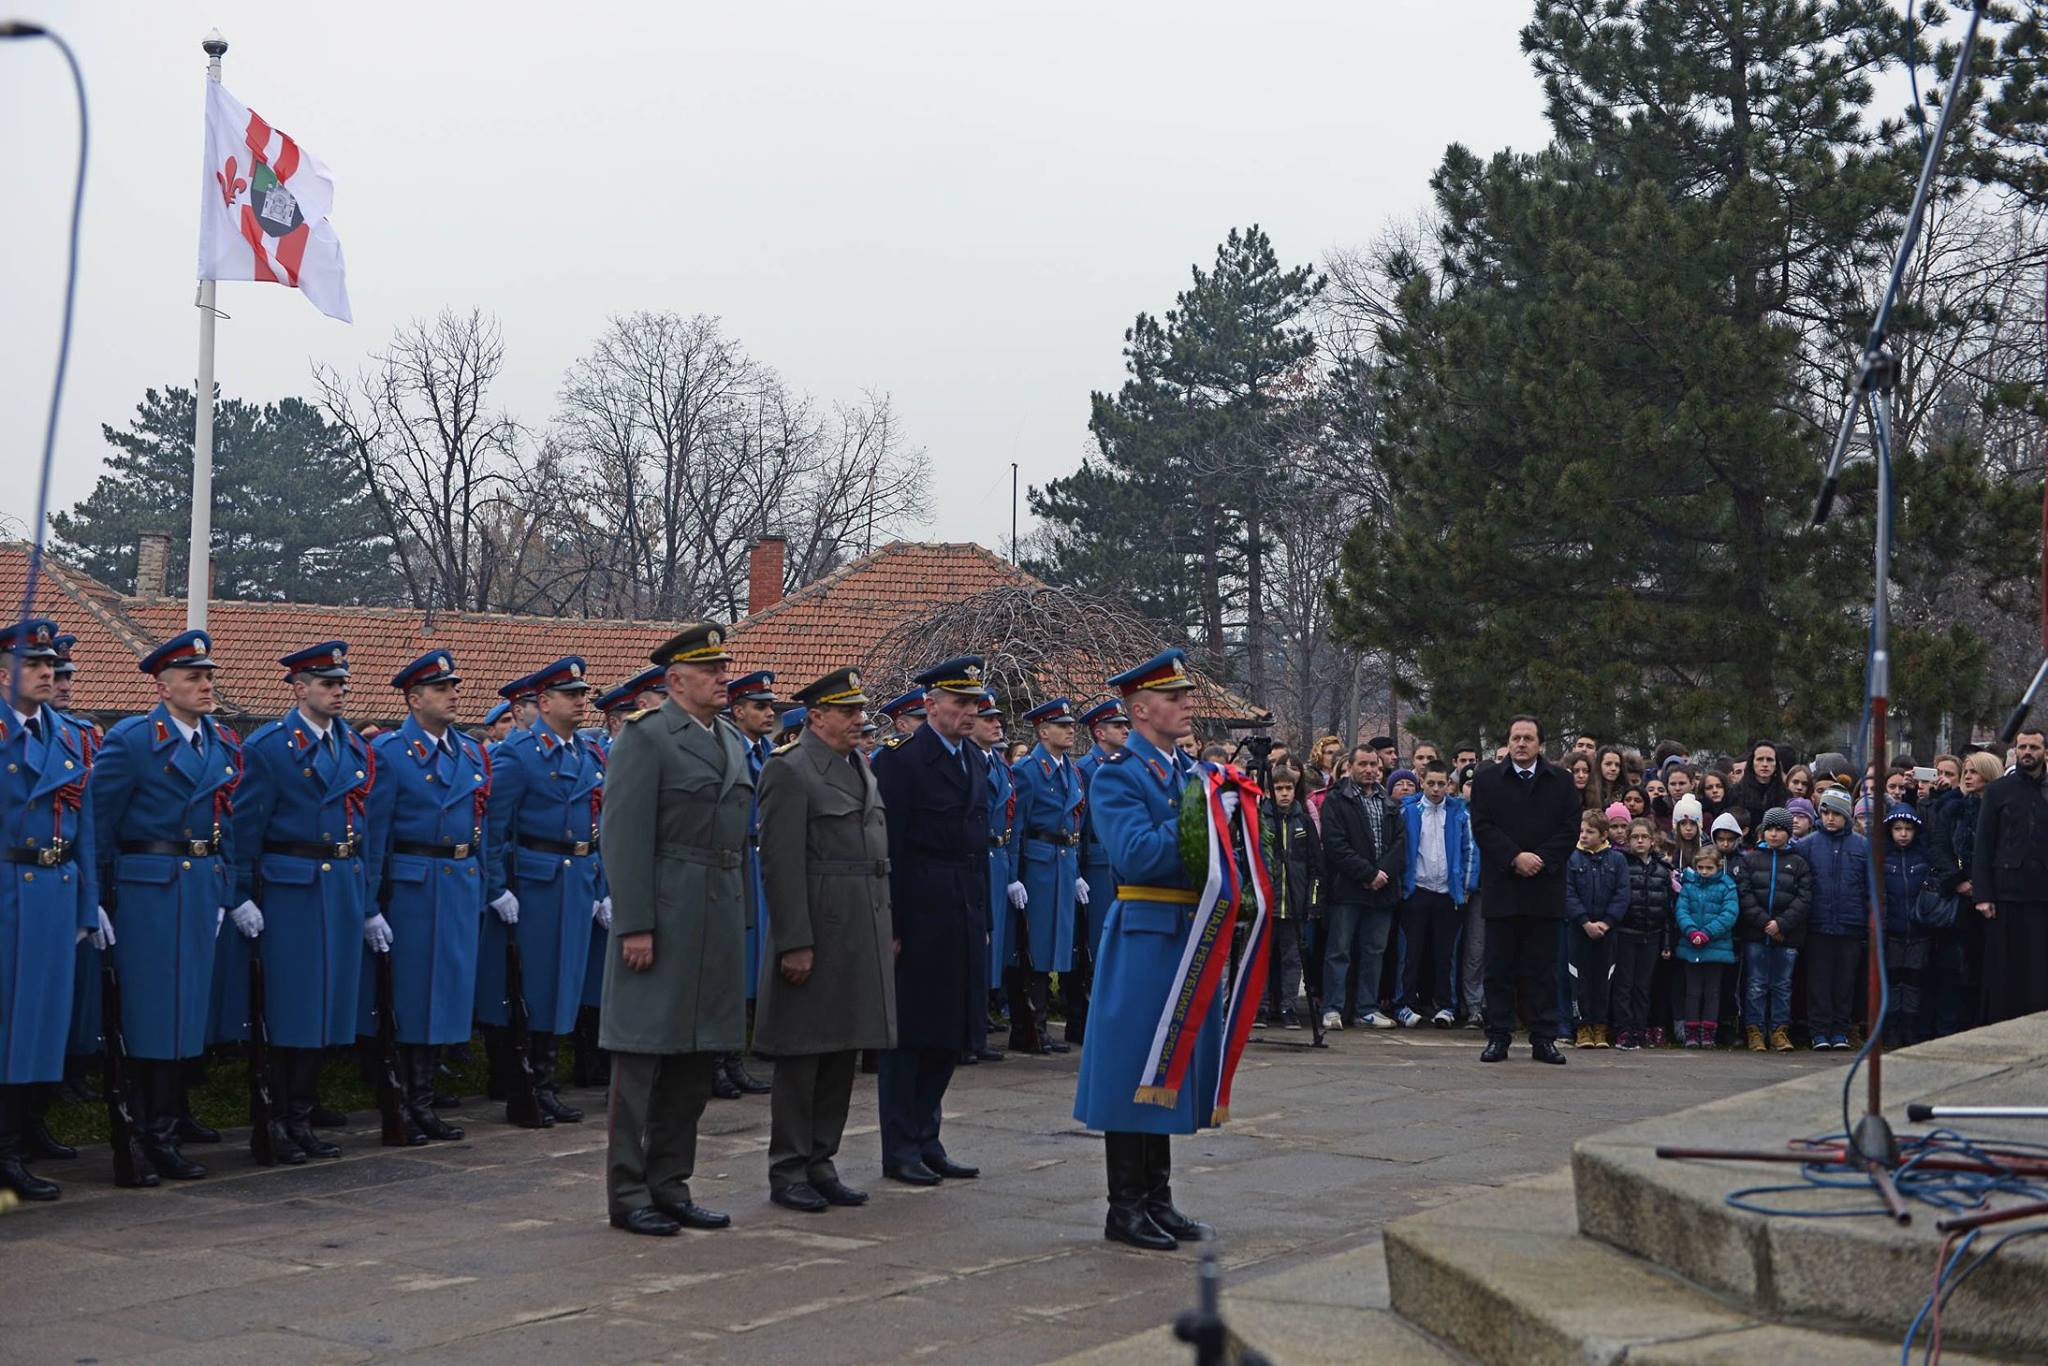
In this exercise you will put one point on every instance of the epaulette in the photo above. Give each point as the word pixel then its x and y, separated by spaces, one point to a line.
pixel 633 716
pixel 784 748
pixel 893 741
pixel 1115 756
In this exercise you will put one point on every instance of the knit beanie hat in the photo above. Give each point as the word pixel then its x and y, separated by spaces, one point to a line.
pixel 1901 812
pixel 1686 808
pixel 1617 812
pixel 1724 821
pixel 1780 818
pixel 1838 801
pixel 1798 806
pixel 1398 774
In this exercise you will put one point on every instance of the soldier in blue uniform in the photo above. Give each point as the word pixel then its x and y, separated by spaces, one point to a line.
pixel 497 724
pixel 750 706
pixel 789 726
pixel 1108 728
pixel 522 703
pixel 426 861
pixel 1002 851
pixel 300 882
pixel 161 793
pixel 905 713
pixel 1136 797
pixel 1048 886
pixel 544 881
pixel 936 795
pixel 49 896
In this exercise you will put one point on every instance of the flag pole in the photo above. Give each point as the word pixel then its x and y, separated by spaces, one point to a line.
pixel 199 560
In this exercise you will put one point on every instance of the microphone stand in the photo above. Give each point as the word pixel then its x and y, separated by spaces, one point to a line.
pixel 1872 1146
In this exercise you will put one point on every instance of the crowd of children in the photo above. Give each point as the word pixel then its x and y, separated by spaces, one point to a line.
pixel 1709 904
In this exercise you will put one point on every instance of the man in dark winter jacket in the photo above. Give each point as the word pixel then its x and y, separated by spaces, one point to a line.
pixel 1364 853
pixel 1776 894
pixel 1525 820
pixel 2010 882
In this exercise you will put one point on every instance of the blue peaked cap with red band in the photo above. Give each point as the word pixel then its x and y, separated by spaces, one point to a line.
pixel 435 667
pixel 1053 710
pixel 186 650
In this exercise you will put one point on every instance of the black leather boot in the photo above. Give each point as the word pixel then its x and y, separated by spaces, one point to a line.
pixel 735 1069
pixel 722 1087
pixel 303 1068
pixel 545 1048
pixel 1159 1193
pixel 36 1138
pixel 14 1113
pixel 164 1098
pixel 279 1079
pixel 1128 1220
pixel 417 1062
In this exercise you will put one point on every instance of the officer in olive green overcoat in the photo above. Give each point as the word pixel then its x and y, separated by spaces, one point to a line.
pixel 677 796
pixel 828 987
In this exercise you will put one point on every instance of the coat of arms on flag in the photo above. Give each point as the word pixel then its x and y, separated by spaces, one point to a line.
pixel 263 208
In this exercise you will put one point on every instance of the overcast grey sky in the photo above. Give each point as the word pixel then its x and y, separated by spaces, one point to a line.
pixel 962 205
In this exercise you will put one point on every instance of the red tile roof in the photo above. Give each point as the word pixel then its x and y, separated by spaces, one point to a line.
pixel 838 620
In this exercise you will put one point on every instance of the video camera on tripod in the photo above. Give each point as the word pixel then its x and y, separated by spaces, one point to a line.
pixel 1257 748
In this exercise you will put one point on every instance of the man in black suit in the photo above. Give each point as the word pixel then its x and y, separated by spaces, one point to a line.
pixel 2009 881
pixel 934 787
pixel 1525 820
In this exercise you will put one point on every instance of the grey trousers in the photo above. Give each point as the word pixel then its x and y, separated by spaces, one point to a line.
pixel 807 1115
pixel 1472 960
pixel 651 1124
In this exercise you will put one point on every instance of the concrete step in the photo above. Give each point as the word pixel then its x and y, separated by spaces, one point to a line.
pixel 1867 1273
pixel 1506 1277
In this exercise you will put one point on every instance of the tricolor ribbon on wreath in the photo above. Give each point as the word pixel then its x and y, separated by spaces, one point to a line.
pixel 1221 811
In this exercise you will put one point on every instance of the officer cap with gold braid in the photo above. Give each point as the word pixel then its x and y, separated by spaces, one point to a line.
pixel 961 675
pixel 703 643
pixel 840 688
pixel 1166 671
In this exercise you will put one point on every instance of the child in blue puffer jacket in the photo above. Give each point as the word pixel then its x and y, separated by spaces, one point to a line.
pixel 1706 912
pixel 1906 870
pixel 1840 926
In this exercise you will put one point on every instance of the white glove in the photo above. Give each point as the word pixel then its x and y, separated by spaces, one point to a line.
pixel 1081 890
pixel 1018 896
pixel 218 916
pixel 377 933
pixel 248 919
pixel 103 937
pixel 601 912
pixel 507 907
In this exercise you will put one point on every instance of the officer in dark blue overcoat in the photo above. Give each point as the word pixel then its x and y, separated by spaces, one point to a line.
pixel 936 794
pixel 162 791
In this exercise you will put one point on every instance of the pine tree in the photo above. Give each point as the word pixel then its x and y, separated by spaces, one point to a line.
pixel 1599 446
pixel 292 520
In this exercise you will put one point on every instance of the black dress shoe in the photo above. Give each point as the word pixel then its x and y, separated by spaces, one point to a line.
pixel 1135 1227
pixel 916 1174
pixel 171 1163
pixel 721 1085
pixel 301 1133
pixel 326 1118
pixel 1496 1051
pixel 139 1161
pixel 947 1167
pixel 191 1130
pixel 25 1183
pixel 799 1196
pixel 1545 1050
pixel 648 1220
pixel 42 1143
pixel 736 1072
pixel 991 1055
pixel 1177 1225
pixel 433 1126
pixel 694 1215
pixel 837 1192
pixel 551 1106
pixel 286 1151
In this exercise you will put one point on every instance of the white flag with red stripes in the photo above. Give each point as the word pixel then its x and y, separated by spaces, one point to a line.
pixel 264 206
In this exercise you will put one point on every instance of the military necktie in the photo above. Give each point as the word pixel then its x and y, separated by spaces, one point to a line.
pixel 35 727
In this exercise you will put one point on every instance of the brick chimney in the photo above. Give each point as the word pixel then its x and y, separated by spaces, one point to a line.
pixel 764 573
pixel 152 564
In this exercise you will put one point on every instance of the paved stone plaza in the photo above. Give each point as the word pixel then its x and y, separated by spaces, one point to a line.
pixel 496 1248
